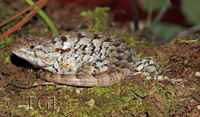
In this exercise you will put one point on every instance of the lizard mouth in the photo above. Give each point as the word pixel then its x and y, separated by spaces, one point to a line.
pixel 28 56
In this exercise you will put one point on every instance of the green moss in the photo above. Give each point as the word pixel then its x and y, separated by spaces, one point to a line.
pixel 123 98
pixel 198 60
pixel 8 58
pixel 164 60
pixel 16 6
pixel 2 44
pixel 180 40
pixel 98 19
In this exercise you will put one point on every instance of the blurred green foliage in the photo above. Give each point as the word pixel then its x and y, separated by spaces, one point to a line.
pixel 98 19
pixel 190 8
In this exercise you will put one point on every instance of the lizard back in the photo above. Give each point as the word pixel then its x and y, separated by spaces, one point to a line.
pixel 81 58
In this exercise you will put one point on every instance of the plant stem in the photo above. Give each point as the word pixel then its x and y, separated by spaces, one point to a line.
pixel 160 14
pixel 134 14
pixel 45 18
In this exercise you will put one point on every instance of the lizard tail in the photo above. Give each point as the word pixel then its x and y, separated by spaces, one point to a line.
pixel 86 80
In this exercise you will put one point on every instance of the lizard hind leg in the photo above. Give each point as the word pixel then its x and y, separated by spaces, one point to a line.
pixel 149 68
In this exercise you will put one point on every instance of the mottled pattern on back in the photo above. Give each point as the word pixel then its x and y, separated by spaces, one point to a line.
pixel 81 54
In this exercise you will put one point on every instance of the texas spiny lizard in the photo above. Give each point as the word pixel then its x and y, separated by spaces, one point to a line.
pixel 83 58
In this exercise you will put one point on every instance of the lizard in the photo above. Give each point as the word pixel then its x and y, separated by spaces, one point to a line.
pixel 84 58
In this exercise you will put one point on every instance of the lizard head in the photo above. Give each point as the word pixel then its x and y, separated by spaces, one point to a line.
pixel 31 50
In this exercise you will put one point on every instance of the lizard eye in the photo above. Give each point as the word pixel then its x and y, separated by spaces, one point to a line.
pixel 31 46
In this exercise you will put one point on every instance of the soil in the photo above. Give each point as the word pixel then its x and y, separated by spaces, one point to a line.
pixel 136 97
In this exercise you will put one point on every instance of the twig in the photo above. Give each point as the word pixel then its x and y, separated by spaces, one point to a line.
pixel 45 18
pixel 150 10
pixel 20 13
pixel 195 28
pixel 134 14
pixel 160 14
pixel 22 22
